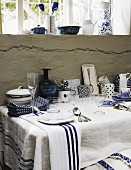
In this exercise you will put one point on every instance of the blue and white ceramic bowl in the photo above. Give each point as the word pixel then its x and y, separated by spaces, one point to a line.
pixel 72 30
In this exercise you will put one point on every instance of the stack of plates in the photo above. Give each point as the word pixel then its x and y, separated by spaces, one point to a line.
pixel 19 96
pixel 117 81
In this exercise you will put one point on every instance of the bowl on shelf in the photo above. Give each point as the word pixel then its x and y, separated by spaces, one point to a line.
pixel 71 30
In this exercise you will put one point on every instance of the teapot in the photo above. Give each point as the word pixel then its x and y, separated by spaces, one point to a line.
pixel 39 30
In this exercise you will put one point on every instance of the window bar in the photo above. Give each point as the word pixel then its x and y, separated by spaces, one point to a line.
pixel 28 15
pixel 19 14
pixel 3 12
pixel 39 22
pixel 60 7
pixel 0 18
pixel 50 9
pixel 130 17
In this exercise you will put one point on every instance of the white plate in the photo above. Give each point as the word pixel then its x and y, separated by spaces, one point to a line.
pixel 56 118
pixel 55 121
pixel 20 102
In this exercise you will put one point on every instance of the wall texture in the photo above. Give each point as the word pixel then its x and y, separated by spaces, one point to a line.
pixel 20 54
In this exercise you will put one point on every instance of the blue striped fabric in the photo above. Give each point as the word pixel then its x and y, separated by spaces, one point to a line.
pixel 73 153
pixel 119 155
pixel 16 110
pixel 105 165
pixel 68 145
pixel 24 164
pixel 116 155
pixel 77 151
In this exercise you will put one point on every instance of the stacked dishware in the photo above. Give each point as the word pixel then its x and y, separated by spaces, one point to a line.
pixel 101 82
pixel 19 96
pixel 117 82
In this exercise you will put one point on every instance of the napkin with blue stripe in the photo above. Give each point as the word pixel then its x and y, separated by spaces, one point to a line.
pixel 15 110
pixel 109 164
pixel 64 146
pixel 110 102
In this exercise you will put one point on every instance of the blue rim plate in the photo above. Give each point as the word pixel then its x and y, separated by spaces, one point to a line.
pixel 121 98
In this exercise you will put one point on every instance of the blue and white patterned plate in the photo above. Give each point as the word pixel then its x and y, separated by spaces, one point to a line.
pixel 121 98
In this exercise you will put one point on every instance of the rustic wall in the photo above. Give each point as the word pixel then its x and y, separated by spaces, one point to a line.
pixel 20 54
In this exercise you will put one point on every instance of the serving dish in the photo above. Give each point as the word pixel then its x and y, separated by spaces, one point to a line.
pixel 18 96
pixel 38 30
pixel 72 30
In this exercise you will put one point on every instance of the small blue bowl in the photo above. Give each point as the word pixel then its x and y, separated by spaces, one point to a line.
pixel 72 30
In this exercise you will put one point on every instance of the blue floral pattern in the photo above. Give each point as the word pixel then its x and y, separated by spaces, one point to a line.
pixel 104 23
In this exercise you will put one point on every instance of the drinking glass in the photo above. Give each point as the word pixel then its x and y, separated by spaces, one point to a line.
pixel 99 102
pixel 32 79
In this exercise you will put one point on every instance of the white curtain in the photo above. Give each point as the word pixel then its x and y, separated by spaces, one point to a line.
pixel 121 17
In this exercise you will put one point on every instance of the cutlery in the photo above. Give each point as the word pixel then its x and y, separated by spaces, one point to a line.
pixel 122 107
pixel 81 118
pixel 88 71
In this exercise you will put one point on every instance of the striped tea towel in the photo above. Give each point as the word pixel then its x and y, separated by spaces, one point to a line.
pixel 16 110
pixel 64 146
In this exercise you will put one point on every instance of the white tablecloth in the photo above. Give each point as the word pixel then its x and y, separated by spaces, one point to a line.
pixel 25 145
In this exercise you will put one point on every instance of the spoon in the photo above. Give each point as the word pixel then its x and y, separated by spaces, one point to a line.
pixel 81 118
pixel 88 71
pixel 76 111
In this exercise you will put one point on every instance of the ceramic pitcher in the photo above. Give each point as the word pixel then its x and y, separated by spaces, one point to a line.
pixel 123 81
pixel 104 18
pixel 87 27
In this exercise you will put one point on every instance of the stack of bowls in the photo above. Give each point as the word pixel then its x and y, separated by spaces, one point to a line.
pixel 19 96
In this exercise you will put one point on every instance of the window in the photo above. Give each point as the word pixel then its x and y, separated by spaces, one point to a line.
pixel 121 14
pixel 19 15
pixel 9 20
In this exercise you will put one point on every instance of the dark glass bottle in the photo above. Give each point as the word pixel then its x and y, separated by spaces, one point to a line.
pixel 47 87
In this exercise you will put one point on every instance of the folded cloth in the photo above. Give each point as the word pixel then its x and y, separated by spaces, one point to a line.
pixel 117 161
pixel 109 102
pixel 65 152
pixel 15 110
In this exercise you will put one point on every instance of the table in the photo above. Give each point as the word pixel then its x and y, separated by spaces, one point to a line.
pixel 26 146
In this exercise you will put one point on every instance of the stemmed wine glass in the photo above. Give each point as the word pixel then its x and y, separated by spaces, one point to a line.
pixel 32 79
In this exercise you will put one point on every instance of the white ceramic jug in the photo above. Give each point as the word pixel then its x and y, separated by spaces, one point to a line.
pixel 104 18
pixel 123 81
pixel 88 27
